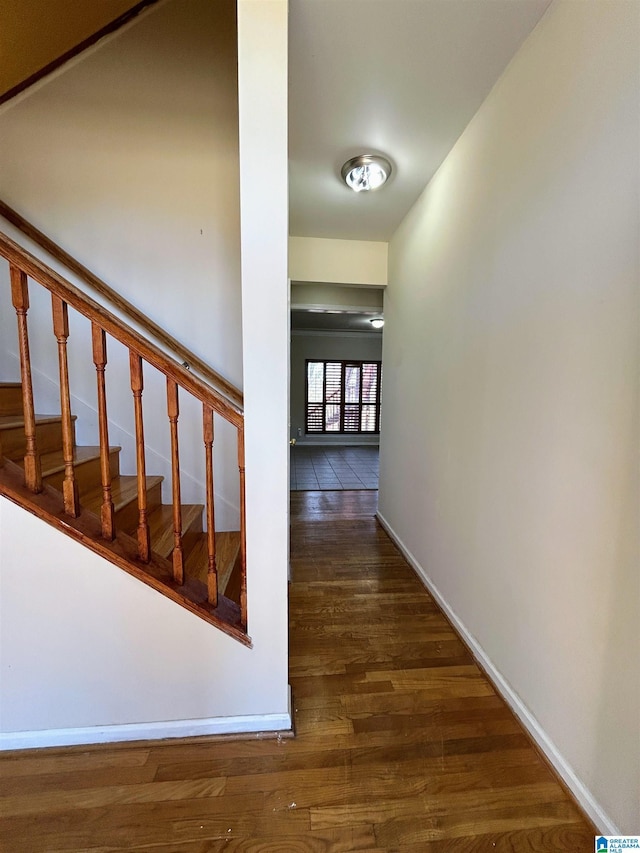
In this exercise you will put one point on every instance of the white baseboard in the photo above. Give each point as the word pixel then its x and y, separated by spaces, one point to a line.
pixel 255 724
pixel 581 793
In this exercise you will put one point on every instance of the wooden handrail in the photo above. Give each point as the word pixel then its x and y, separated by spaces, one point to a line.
pixel 133 340
pixel 218 382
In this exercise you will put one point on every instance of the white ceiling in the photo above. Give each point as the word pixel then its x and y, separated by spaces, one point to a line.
pixel 399 77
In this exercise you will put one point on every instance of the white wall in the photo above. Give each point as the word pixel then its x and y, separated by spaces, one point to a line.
pixel 115 674
pixel 262 83
pixel 117 661
pixel 337 261
pixel 360 346
pixel 509 451
pixel 128 158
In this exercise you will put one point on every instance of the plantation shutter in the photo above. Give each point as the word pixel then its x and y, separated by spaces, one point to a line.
pixel 343 396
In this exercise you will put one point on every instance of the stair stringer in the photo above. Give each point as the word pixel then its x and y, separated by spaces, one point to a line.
pixel 90 655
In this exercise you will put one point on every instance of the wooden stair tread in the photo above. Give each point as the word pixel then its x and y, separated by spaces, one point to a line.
pixel 13 421
pixel 54 462
pixel 49 429
pixel 227 553
pixel 124 489
pixel 161 526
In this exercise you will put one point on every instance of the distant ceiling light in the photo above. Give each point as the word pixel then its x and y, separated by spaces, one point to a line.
pixel 366 172
pixel 377 322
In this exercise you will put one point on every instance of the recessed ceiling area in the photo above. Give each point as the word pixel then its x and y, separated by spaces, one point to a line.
pixel 334 321
pixel 318 307
pixel 401 78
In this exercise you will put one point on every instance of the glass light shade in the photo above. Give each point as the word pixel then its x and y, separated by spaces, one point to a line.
pixel 366 172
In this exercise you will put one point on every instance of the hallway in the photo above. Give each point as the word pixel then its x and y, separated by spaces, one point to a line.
pixel 413 749
pixel 401 743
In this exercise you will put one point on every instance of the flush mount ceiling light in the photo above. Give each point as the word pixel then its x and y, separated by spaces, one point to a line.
pixel 377 322
pixel 366 172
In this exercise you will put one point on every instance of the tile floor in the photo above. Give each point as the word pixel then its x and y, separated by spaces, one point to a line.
pixel 332 468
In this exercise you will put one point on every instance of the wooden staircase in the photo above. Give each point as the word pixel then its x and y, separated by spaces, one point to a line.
pixel 124 493
pixel 80 490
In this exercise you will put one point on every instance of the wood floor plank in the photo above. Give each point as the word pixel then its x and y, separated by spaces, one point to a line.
pixel 564 838
pixel 435 805
pixel 77 780
pixel 400 832
pixel 402 745
pixel 358 839
pixel 493 766
pixel 149 792
pixel 184 820
pixel 61 761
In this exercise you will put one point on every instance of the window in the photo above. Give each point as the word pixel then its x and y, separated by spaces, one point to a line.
pixel 343 396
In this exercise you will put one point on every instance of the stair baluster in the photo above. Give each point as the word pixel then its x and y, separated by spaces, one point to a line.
pixel 20 299
pixel 107 514
pixel 243 533
pixel 212 572
pixel 70 497
pixel 144 537
pixel 173 412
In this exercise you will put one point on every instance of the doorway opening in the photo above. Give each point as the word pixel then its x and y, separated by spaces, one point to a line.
pixel 336 386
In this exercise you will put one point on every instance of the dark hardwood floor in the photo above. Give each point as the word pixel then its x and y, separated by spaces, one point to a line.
pixel 402 744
